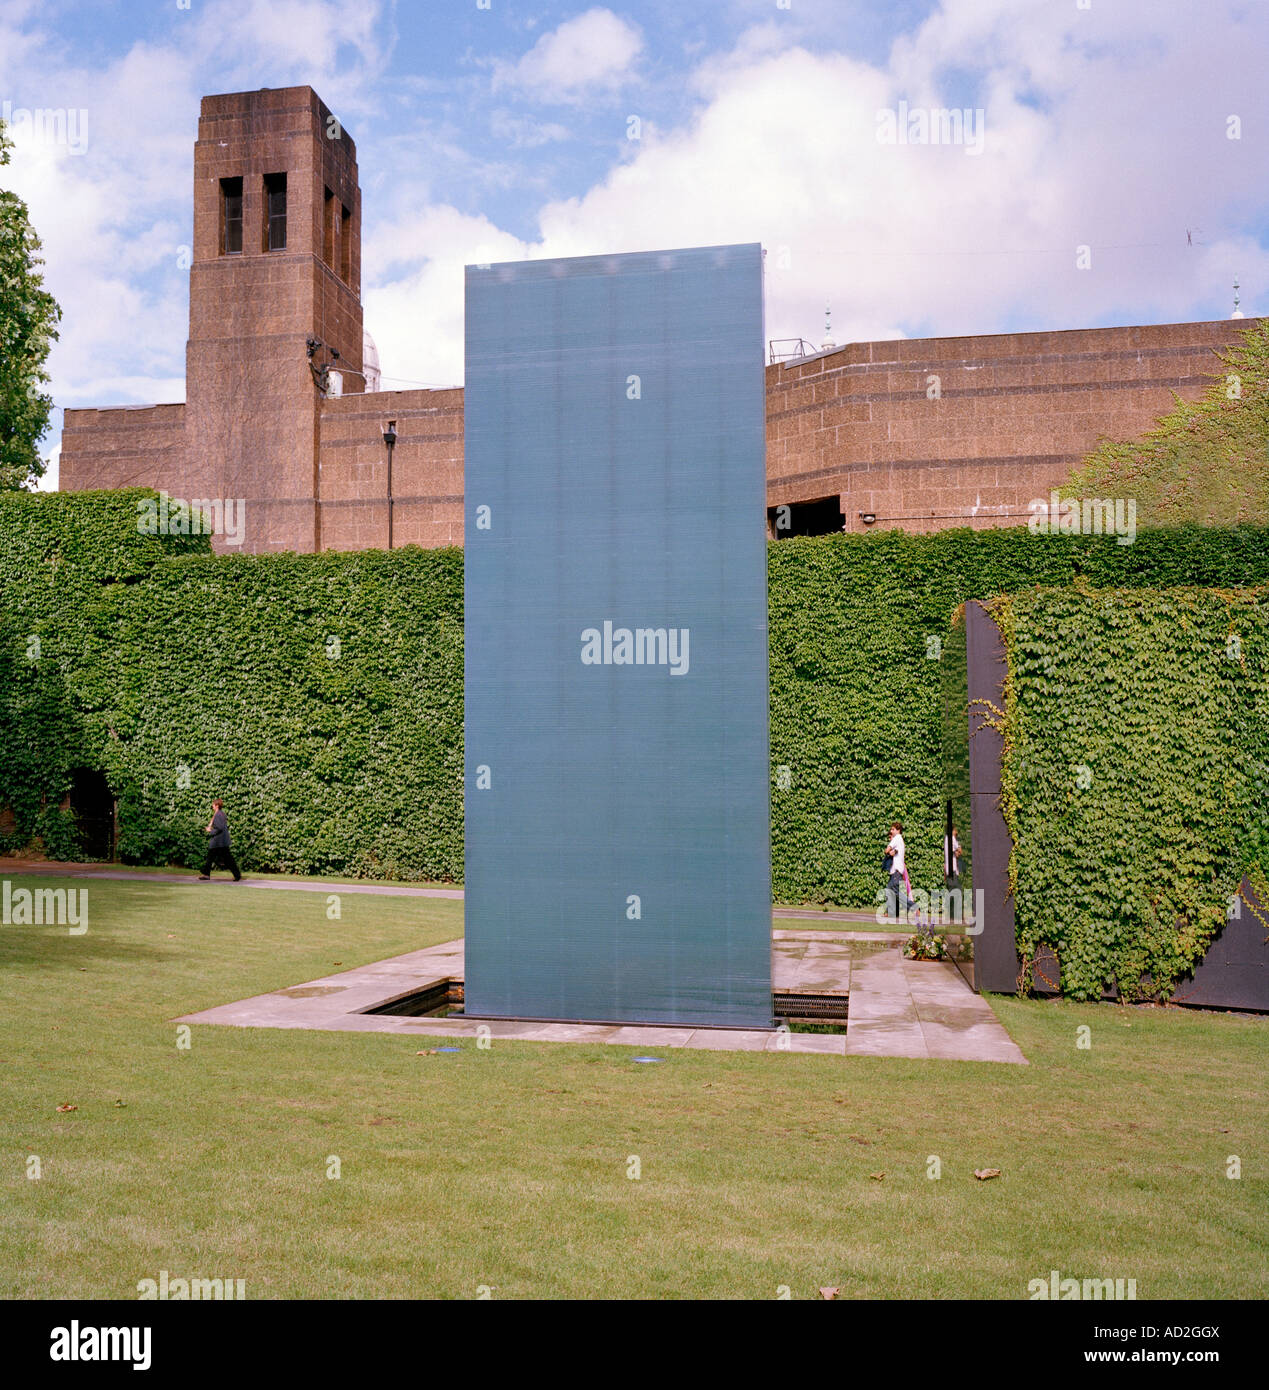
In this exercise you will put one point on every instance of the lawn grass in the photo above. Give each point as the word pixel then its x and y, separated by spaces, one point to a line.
pixel 508 1167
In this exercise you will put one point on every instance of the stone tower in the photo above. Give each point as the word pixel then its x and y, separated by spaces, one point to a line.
pixel 276 267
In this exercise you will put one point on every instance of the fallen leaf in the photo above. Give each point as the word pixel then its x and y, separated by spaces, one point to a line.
pixel 64 1108
pixel 982 1174
pixel 830 1293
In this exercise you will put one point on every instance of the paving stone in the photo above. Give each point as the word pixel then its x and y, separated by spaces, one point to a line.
pixel 830 1043
pixel 728 1040
pixel 897 1008
pixel 642 1035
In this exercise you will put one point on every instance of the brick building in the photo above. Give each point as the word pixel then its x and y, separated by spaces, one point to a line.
pixel 917 433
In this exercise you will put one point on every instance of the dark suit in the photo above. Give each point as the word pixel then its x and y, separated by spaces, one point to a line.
pixel 218 847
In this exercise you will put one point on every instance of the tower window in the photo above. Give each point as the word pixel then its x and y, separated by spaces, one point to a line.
pixel 328 229
pixel 275 212
pixel 345 246
pixel 231 217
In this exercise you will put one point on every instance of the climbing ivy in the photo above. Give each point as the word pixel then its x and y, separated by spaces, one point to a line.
pixel 861 636
pixel 321 695
pixel 1204 461
pixel 1135 776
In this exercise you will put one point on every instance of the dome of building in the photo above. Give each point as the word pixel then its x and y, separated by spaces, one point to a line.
pixel 370 362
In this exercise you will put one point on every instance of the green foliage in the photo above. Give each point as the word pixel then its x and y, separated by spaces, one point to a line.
pixel 28 326
pixel 59 552
pixel 156 658
pixel 1205 461
pixel 856 704
pixel 320 696
pixel 1136 775
pixel 923 946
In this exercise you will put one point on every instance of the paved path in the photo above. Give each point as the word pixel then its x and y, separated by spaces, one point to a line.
pixel 303 885
pixel 910 1008
pixel 897 1008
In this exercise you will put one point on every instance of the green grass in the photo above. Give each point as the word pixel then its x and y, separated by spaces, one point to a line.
pixel 508 1167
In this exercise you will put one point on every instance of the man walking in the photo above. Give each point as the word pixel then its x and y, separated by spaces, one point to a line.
pixel 218 843
pixel 897 851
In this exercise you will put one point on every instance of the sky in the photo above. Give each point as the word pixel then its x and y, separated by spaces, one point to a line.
pixel 1108 165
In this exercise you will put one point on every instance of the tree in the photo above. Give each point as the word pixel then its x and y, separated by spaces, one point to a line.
pixel 28 326
pixel 1206 460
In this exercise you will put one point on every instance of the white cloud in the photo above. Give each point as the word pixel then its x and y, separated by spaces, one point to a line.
pixel 1101 129
pixel 594 51
pixel 417 319
pixel 523 132
pixel 115 219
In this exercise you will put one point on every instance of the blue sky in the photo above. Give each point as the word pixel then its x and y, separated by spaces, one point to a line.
pixel 502 132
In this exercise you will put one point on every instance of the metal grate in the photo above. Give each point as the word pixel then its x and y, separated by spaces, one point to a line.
pixel 817 1008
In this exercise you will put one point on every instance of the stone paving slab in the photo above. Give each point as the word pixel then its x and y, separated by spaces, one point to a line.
pixel 905 1008
pixel 897 1008
pixel 332 1001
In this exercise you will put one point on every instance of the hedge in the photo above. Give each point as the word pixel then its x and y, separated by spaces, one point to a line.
pixel 184 676
pixel 1135 776
pixel 320 695
pixel 860 626
pixel 59 553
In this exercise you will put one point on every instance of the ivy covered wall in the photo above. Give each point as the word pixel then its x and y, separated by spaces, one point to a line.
pixel 860 626
pixel 1135 775
pixel 321 695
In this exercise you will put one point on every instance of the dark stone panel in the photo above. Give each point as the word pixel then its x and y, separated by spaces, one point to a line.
pixel 1234 974
pixel 995 949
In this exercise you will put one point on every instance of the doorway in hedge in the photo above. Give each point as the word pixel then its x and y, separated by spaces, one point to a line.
pixel 92 804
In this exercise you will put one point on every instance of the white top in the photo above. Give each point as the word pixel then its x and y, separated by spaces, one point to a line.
pixel 896 848
pixel 952 856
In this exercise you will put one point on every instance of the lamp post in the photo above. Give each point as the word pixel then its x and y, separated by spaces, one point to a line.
pixel 390 440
